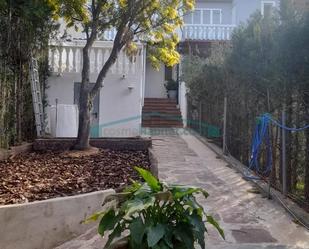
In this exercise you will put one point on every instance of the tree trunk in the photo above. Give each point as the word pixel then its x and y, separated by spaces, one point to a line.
pixel 19 105
pixel 85 102
pixel 306 101
pixel 87 95
pixel 84 121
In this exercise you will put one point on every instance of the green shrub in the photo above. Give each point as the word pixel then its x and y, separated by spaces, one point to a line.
pixel 171 85
pixel 156 215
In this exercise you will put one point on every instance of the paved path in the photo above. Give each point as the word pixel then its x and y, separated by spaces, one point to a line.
pixel 249 220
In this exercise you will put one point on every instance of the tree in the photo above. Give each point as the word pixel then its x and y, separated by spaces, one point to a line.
pixel 265 67
pixel 151 21
pixel 25 27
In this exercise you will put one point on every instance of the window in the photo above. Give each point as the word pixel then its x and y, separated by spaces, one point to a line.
pixel 268 8
pixel 216 17
pixel 197 15
pixel 204 16
pixel 168 73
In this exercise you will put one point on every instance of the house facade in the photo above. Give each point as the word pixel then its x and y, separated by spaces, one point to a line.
pixel 134 95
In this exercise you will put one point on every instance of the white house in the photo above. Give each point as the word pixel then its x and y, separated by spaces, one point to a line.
pixel 134 95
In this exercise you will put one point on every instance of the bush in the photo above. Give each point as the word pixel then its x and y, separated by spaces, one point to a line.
pixel 171 85
pixel 156 215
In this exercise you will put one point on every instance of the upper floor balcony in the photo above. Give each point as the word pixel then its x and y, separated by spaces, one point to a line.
pixel 194 32
pixel 202 24
pixel 208 23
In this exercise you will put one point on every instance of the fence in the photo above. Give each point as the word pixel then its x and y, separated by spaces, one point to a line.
pixel 288 149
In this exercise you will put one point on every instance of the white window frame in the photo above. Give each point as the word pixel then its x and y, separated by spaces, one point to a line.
pixel 202 16
pixel 273 2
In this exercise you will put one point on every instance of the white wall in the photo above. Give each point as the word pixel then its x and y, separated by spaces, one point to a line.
pixel 120 107
pixel 245 8
pixel 183 104
pixel 154 85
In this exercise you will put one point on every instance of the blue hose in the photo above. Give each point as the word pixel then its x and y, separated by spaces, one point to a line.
pixel 261 135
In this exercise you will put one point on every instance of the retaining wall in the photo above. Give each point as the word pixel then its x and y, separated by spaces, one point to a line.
pixel 60 144
pixel 46 224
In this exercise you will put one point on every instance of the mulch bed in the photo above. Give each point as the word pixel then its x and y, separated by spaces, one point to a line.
pixel 41 176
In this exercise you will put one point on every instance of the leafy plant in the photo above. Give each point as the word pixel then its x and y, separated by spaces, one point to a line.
pixel 156 215
pixel 171 85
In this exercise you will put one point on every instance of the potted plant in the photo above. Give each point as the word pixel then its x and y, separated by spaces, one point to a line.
pixel 154 215
pixel 171 87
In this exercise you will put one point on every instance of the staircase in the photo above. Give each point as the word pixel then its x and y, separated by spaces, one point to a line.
pixel 161 113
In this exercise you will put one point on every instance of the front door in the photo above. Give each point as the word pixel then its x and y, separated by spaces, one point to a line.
pixel 94 120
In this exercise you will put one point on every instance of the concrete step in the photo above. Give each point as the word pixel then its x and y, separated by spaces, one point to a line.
pixel 163 109
pixel 162 113
pixel 162 125
pixel 160 105
pixel 159 100
pixel 159 119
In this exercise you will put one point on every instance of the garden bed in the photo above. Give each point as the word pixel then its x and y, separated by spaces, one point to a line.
pixel 41 176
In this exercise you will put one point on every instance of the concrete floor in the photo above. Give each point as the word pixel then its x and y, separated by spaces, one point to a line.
pixel 250 221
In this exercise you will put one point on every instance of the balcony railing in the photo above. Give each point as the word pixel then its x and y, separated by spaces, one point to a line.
pixel 66 57
pixel 204 32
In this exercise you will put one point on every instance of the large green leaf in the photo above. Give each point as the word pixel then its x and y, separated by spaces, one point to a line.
pixel 199 228
pixel 115 234
pixel 168 236
pixel 196 222
pixel 200 238
pixel 116 198
pixel 137 230
pixel 143 191
pixel 182 191
pixel 136 205
pixel 184 234
pixel 133 187
pixel 193 204
pixel 94 217
pixel 212 221
pixel 162 245
pixel 108 222
pixel 154 234
pixel 152 181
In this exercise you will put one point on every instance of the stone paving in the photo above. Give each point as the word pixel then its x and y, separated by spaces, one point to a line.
pixel 250 220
